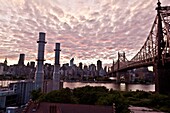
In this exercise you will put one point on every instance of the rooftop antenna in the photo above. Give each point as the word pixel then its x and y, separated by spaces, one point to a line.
pixel 159 3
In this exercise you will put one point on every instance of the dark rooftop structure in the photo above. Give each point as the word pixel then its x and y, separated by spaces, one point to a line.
pixel 45 107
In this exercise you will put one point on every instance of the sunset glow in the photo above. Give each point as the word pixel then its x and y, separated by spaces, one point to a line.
pixel 88 30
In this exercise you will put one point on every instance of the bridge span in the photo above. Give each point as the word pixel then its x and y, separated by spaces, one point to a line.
pixel 155 52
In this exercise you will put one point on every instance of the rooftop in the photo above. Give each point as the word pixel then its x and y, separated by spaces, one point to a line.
pixel 45 107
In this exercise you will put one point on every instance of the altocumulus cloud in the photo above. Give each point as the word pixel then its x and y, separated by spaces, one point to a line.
pixel 87 30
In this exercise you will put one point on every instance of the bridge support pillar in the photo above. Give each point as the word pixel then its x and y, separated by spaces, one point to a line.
pixel 122 77
pixel 118 77
pixel 162 78
pixel 127 77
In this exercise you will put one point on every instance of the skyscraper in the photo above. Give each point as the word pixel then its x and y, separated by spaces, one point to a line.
pixel 81 65
pixel 99 65
pixel 21 59
pixel 72 62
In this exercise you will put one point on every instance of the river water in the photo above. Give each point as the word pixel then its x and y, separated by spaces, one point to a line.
pixel 114 86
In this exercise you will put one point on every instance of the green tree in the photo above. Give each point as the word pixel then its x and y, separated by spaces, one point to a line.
pixel 158 100
pixel 35 94
pixel 88 94
pixel 121 104
pixel 60 96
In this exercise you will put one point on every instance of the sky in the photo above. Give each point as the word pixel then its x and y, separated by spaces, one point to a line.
pixel 88 30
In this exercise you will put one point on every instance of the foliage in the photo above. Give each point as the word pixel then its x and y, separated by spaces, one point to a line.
pixel 103 96
pixel 88 94
pixel 158 100
pixel 60 96
pixel 137 94
pixel 35 94
pixel 148 99
pixel 120 102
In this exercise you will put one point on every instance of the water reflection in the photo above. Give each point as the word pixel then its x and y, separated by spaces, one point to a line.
pixel 121 87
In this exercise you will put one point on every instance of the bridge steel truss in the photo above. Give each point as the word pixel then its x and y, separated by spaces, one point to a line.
pixel 155 51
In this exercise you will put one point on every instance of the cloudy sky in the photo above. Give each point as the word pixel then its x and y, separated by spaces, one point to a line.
pixel 88 30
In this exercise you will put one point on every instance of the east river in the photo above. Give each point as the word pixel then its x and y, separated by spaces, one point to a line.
pixel 114 86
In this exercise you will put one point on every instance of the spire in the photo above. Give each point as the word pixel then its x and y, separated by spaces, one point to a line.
pixel 5 62
pixel 159 4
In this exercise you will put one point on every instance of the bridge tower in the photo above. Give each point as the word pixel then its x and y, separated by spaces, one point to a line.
pixel 161 68
pixel 121 75
pixel 118 66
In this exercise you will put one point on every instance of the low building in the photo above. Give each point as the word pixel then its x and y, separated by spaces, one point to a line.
pixel 23 89
pixel 45 107
pixel 7 98
pixel 11 109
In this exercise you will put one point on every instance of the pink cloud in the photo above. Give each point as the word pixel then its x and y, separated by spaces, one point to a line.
pixel 85 30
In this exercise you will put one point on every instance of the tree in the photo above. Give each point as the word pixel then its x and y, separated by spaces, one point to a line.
pixel 89 94
pixel 60 96
pixel 35 94
pixel 121 104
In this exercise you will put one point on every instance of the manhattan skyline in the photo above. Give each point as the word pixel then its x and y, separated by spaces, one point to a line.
pixel 88 30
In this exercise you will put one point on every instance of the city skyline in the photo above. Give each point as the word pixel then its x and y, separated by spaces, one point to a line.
pixel 87 30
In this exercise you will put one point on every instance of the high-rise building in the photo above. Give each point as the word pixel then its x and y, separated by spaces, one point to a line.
pixel 92 69
pixel 1 69
pixel 81 65
pixel 21 59
pixel 22 89
pixel 99 65
pixel 5 65
pixel 72 62
pixel 32 64
pixel 5 62
pixel 105 68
